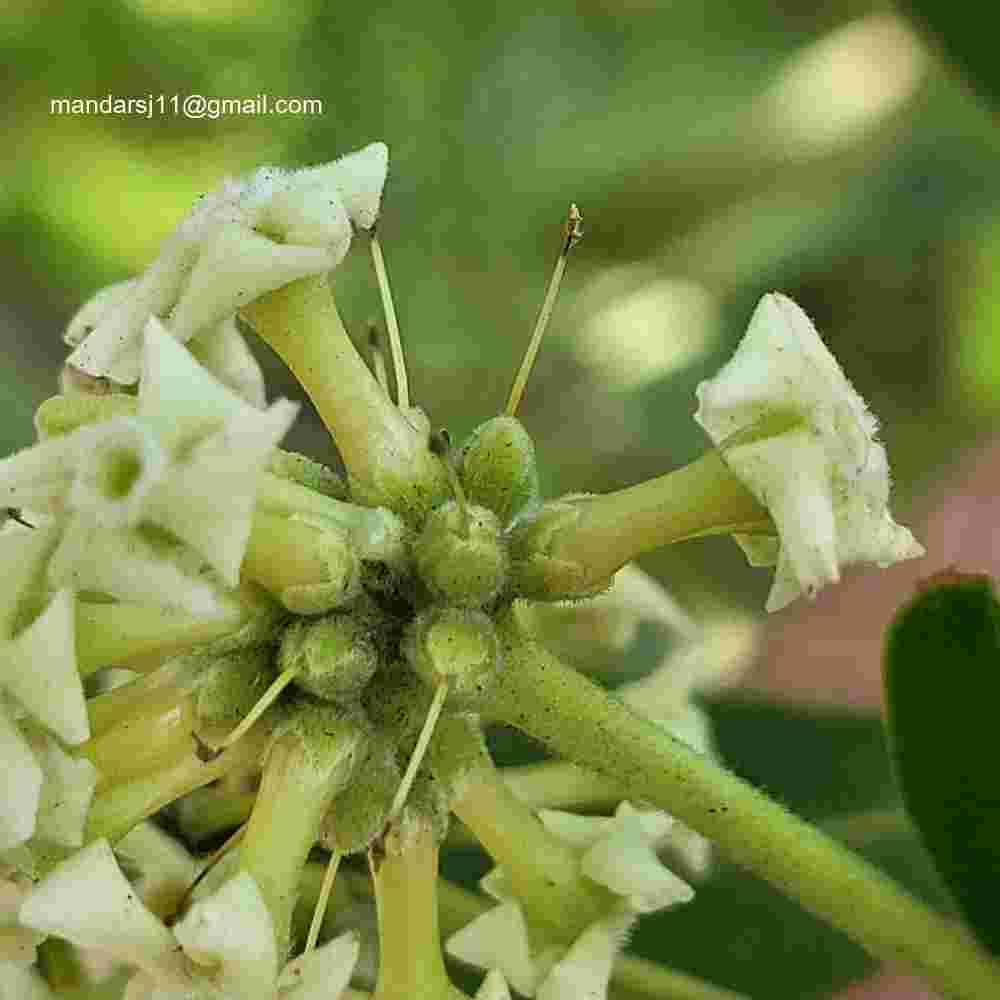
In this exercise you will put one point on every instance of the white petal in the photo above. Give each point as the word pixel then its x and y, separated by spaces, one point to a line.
pixel 359 177
pixel 20 785
pixel 626 864
pixel 114 349
pixel 496 885
pixel 165 870
pixel 88 901
pixel 323 973
pixel 224 353
pixel 124 564
pixel 66 794
pixel 175 387
pixel 493 987
pixel 310 213
pixel 119 462
pixel 236 266
pixel 232 929
pixel 39 669
pixel 573 829
pixel 208 501
pixel 20 982
pixel 586 969
pixel 96 308
pixel 24 555
pixel 498 939
pixel 39 476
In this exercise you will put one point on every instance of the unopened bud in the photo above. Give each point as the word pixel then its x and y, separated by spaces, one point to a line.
pixel 359 813
pixel 538 574
pixel 229 688
pixel 459 554
pixel 60 415
pixel 333 657
pixel 454 646
pixel 498 468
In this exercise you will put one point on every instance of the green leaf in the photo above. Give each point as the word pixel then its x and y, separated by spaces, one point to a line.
pixel 959 28
pixel 942 682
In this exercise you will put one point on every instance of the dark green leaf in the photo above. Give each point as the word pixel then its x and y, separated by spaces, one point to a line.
pixel 942 679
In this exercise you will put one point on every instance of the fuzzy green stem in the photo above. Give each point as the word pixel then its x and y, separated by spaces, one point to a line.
pixel 703 498
pixel 385 455
pixel 296 790
pixel 575 718
pixel 543 872
pixel 117 809
pixel 405 870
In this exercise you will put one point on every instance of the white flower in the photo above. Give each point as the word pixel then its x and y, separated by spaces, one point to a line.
pixel 40 785
pixel 38 668
pixel 619 852
pixel 245 239
pixel 585 970
pixel 222 949
pixel 21 982
pixel 189 462
pixel 792 428
pixel 616 852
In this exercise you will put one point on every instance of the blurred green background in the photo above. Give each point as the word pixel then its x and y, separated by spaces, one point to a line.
pixel 717 150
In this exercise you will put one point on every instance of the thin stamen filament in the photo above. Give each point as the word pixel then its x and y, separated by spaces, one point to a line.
pixel 391 324
pixel 433 714
pixel 321 904
pixel 572 237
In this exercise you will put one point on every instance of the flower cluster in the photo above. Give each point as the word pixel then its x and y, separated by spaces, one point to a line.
pixel 313 658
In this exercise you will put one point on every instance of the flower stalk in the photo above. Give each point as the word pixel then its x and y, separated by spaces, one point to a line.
pixel 404 866
pixel 309 762
pixel 575 718
pixel 572 548
pixel 385 453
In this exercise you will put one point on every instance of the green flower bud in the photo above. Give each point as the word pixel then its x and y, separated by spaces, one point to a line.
pixel 397 703
pixel 230 687
pixel 457 750
pixel 426 805
pixel 61 415
pixel 262 617
pixel 309 570
pixel 456 646
pixel 358 814
pixel 498 468
pixel 538 574
pixel 334 657
pixel 459 555
pixel 304 471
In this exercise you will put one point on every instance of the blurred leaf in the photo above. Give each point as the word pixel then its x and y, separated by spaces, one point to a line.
pixel 817 762
pixel 743 933
pixel 959 29
pixel 942 688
